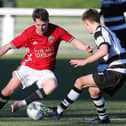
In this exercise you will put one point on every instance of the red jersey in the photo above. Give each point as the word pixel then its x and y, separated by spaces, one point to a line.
pixel 42 49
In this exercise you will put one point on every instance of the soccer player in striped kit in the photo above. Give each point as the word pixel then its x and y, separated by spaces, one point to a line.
pixel 105 81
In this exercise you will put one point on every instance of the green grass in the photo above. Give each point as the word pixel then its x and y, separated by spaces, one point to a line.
pixel 74 116
pixel 58 3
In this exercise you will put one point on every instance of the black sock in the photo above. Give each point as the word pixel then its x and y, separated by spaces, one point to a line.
pixel 3 100
pixel 37 95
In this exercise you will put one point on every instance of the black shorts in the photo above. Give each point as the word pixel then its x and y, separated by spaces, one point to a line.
pixel 109 81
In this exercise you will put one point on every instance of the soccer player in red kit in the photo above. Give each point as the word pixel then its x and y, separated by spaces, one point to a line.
pixel 41 41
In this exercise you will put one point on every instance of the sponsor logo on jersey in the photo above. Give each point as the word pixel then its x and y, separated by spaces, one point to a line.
pixel 50 39
pixel 35 43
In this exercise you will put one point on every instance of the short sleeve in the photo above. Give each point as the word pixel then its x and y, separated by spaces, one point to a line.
pixel 65 35
pixel 21 40
pixel 102 37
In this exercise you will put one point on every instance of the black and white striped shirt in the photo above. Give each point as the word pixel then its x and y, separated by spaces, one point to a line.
pixel 113 13
pixel 115 60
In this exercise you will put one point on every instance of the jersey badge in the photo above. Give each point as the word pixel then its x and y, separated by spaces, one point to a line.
pixel 35 43
pixel 50 39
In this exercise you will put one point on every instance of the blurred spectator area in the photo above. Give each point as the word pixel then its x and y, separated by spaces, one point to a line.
pixel 7 3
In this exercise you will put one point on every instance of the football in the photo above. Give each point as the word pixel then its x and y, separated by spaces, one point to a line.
pixel 34 111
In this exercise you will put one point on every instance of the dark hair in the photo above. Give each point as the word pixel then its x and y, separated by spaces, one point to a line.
pixel 41 14
pixel 91 15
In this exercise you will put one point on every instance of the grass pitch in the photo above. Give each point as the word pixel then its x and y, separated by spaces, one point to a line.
pixel 77 113
pixel 74 116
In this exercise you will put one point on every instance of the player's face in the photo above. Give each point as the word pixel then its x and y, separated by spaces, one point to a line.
pixel 41 26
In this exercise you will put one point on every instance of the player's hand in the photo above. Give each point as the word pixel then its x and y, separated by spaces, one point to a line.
pixel 89 49
pixel 77 63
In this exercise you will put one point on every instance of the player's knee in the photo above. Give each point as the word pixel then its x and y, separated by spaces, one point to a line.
pixel 94 92
pixel 49 88
pixel 53 87
pixel 78 83
pixel 7 91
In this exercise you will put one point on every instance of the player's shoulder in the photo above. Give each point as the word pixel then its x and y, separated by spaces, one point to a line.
pixel 56 27
pixel 30 29
pixel 101 30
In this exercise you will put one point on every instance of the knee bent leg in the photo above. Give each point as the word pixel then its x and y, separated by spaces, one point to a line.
pixel 94 92
pixel 78 83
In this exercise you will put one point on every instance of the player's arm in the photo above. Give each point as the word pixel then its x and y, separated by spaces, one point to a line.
pixel 80 45
pixel 103 51
pixel 5 49
pixel 19 42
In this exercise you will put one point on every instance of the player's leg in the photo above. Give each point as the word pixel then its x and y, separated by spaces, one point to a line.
pixel 83 82
pixel 46 85
pixel 108 82
pixel 13 84
pixel 80 83
pixel 99 103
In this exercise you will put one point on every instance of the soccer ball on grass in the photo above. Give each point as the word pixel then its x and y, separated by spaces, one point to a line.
pixel 34 110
